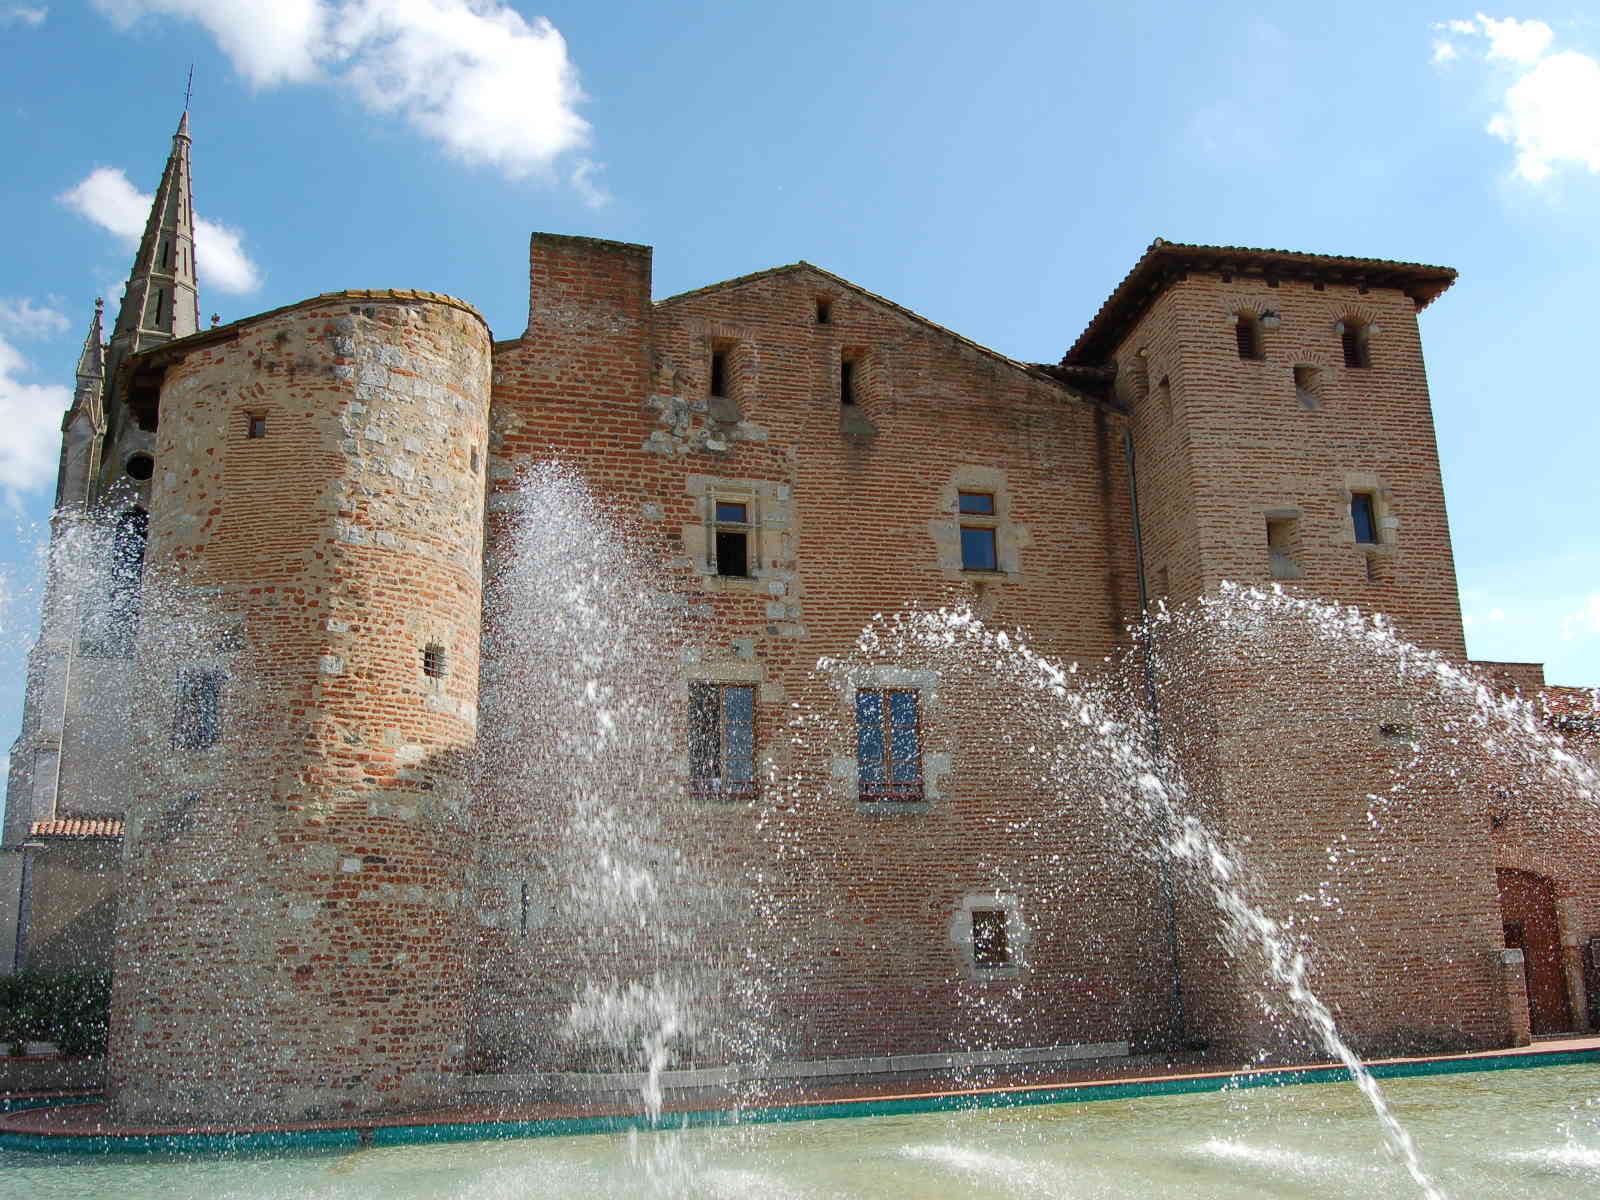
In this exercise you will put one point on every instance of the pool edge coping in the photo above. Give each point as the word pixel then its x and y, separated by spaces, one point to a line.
pixel 362 1134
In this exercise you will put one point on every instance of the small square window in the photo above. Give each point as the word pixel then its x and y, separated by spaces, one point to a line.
pixel 722 738
pixel 433 661
pixel 730 540
pixel 1308 386
pixel 1354 342
pixel 1247 335
pixel 979 503
pixel 1363 518
pixel 257 426
pixel 991 941
pixel 824 312
pixel 888 745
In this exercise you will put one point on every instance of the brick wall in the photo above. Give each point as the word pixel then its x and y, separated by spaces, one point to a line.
pixel 290 945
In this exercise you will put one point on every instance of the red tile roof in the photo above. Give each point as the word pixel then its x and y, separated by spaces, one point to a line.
pixel 78 827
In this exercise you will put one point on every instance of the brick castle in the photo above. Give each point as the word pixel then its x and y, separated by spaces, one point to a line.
pixel 310 909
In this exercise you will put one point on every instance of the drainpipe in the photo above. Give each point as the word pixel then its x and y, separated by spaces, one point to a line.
pixel 1177 1032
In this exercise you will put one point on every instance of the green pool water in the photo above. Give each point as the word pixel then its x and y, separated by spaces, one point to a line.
pixel 1533 1133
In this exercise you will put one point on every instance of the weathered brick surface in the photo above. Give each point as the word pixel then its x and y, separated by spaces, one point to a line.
pixel 290 943
pixel 373 919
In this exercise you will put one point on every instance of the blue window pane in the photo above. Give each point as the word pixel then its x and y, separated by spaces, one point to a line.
pixel 869 708
pixel 904 744
pixel 739 770
pixel 977 549
pixel 1361 515
pixel 906 772
pixel 978 502
pixel 739 742
pixel 903 708
pixel 739 703
pixel 871 770
pixel 730 512
pixel 869 743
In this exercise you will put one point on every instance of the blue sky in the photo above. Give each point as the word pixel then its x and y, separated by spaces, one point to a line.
pixel 997 168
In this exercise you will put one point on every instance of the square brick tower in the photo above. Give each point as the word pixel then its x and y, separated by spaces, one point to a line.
pixel 1283 437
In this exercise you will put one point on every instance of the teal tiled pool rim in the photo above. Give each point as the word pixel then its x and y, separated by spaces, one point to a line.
pixel 362 1135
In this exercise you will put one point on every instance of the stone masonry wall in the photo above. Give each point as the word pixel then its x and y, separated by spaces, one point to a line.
pixel 290 945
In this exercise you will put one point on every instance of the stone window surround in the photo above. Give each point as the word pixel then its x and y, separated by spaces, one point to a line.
pixel 1382 512
pixel 1017 935
pixel 1010 538
pixel 935 762
pixel 751 674
pixel 767 507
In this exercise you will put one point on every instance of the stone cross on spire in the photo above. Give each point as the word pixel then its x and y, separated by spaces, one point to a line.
pixel 162 300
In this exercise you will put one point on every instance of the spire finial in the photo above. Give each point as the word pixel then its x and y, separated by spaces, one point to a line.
pixel 188 88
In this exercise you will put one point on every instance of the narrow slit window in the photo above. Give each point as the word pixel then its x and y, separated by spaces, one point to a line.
pixel 719 373
pixel 991 938
pixel 1353 340
pixel 197 722
pixel 1283 551
pixel 1307 386
pixel 722 739
pixel 1363 518
pixel 888 746
pixel 731 539
pixel 1247 333
pixel 847 381
pixel 824 312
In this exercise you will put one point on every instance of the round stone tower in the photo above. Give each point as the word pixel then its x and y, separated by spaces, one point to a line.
pixel 289 941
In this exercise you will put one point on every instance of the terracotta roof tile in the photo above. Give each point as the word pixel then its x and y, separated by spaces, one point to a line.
pixel 78 827
pixel 1162 259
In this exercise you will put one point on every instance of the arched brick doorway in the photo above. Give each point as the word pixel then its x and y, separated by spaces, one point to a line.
pixel 1528 912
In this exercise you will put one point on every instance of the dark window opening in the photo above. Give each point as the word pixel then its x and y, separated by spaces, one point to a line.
pixel 524 910
pixel 991 940
pixel 978 549
pixel 1283 551
pixel 730 545
pixel 1307 383
pixel 256 425
pixel 433 661
pixel 722 746
pixel 124 585
pixel 1353 338
pixel 888 746
pixel 824 312
pixel 141 467
pixel 1397 732
pixel 847 381
pixel 719 373
pixel 1363 518
pixel 1247 332
pixel 473 459
pixel 197 723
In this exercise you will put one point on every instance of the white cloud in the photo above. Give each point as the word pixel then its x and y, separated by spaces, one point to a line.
pixel 16 14
pixel 1517 41
pixel 109 199
pixel 269 41
pixel 1552 116
pixel 475 75
pixel 1551 107
pixel 1586 620
pixel 24 318
pixel 30 414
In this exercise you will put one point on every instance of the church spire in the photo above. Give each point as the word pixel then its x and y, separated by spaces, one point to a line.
pixel 162 301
